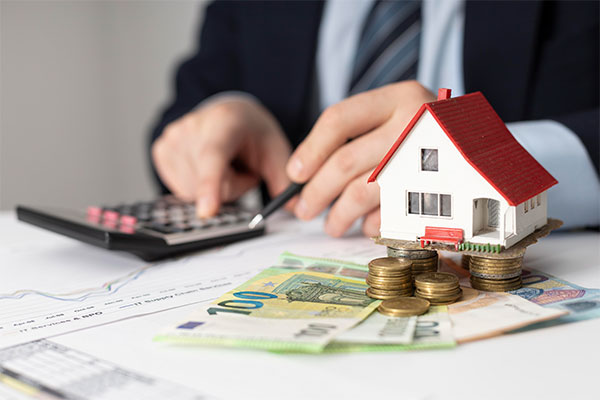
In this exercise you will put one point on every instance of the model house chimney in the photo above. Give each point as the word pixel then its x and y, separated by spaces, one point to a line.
pixel 444 94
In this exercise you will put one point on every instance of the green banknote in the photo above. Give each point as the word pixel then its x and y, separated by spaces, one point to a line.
pixel 280 309
pixel 433 330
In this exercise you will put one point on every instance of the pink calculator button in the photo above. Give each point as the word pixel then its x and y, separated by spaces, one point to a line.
pixel 127 229
pixel 94 211
pixel 110 215
pixel 128 220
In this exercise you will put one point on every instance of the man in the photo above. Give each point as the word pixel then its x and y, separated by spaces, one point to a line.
pixel 264 71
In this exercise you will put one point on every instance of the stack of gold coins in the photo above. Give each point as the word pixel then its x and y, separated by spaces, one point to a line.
pixel 389 278
pixel 438 288
pixel 403 307
pixel 422 260
pixel 465 261
pixel 496 274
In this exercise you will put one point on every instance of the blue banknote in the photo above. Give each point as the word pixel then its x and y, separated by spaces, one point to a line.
pixel 549 291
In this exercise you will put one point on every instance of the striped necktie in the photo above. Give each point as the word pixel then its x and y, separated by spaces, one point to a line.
pixel 388 49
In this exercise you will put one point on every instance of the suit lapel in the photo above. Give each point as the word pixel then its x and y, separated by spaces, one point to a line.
pixel 499 53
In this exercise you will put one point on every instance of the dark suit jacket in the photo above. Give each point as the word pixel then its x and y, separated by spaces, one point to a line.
pixel 532 60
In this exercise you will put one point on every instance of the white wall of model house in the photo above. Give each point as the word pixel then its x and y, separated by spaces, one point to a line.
pixel 454 177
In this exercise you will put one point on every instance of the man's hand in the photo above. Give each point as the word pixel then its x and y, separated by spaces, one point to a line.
pixel 217 152
pixel 338 168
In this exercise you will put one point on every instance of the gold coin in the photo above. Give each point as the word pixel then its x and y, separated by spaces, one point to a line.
pixel 501 276
pixel 437 292
pixel 390 291
pixel 439 300
pixel 488 268
pixel 453 296
pixel 495 262
pixel 490 285
pixel 390 264
pixel 497 288
pixel 386 285
pixel 402 274
pixel 381 296
pixel 388 281
pixel 465 261
pixel 425 265
pixel 437 279
pixel 494 281
pixel 428 264
pixel 411 253
pixel 404 306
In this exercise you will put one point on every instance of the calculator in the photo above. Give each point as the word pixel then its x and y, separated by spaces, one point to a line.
pixel 151 230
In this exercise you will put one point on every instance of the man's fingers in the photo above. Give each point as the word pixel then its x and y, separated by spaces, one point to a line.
pixel 210 167
pixel 275 152
pixel 346 163
pixel 174 169
pixel 372 223
pixel 235 184
pixel 358 199
pixel 346 120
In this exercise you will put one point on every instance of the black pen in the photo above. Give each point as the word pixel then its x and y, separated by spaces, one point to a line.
pixel 292 190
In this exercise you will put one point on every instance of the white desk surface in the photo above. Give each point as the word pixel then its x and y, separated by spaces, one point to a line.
pixel 551 363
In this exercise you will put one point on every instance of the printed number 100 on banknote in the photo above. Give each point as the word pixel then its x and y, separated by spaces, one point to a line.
pixel 279 309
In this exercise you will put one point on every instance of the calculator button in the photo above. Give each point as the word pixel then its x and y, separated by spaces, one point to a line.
pixel 94 211
pixel 181 227
pixel 143 216
pixel 229 218
pixel 162 228
pixel 159 213
pixel 198 224
pixel 127 229
pixel 129 220
pixel 110 215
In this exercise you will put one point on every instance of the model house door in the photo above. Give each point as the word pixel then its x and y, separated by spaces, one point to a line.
pixel 486 215
pixel 493 213
pixel 479 220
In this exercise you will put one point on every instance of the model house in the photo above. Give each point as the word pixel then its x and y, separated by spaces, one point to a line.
pixel 456 174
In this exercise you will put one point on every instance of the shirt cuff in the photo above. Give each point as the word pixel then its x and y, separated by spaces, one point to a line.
pixel 576 198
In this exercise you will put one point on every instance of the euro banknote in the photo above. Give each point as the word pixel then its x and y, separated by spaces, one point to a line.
pixel 551 292
pixel 280 309
pixel 381 329
pixel 433 330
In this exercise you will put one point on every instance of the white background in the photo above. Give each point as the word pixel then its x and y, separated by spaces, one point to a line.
pixel 81 82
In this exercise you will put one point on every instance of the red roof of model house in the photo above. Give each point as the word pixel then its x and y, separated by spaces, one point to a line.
pixel 484 141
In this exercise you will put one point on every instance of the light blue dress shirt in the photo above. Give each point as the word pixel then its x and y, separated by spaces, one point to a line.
pixel 575 200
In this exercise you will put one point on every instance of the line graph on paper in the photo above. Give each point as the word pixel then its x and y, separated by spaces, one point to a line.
pixel 79 295
pixel 58 298
pixel 56 287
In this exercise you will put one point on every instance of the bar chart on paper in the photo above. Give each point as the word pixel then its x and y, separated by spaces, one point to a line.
pixel 47 296
pixel 46 370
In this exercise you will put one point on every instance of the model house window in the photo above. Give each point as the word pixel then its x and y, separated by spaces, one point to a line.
pixel 413 203
pixel 539 199
pixel 445 205
pixel 525 207
pixel 429 160
pixel 430 204
pixel 532 203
